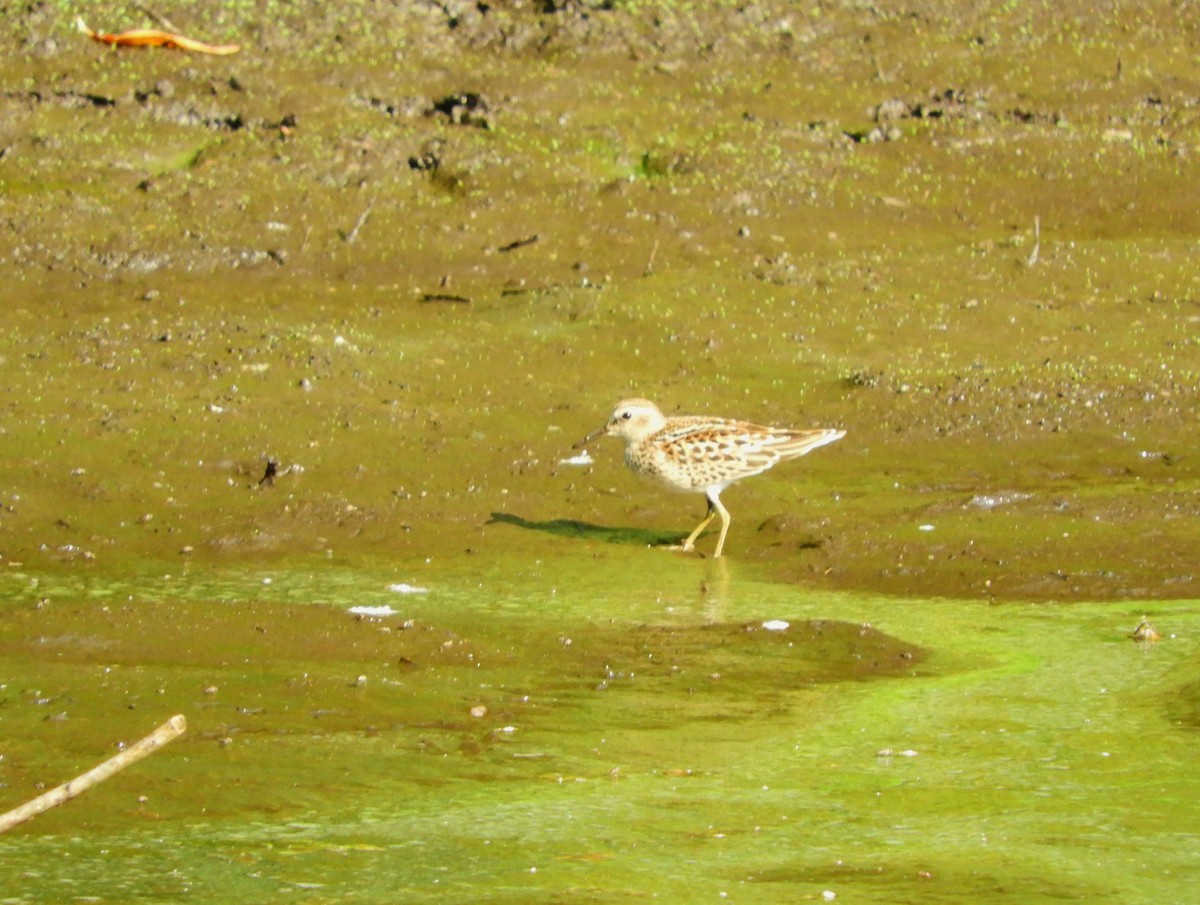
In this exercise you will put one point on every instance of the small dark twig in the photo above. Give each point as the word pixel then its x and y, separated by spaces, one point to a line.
pixel 519 243
pixel 445 297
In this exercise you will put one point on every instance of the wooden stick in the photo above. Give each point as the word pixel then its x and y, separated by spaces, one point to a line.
pixel 168 731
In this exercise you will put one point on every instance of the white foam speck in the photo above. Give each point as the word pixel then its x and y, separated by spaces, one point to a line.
pixel 373 611
pixel 582 459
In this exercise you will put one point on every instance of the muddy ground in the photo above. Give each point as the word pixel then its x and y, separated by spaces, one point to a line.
pixel 411 252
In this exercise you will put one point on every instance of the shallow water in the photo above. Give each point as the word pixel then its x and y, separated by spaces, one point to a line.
pixel 644 735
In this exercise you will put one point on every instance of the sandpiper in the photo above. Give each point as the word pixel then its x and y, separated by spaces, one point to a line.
pixel 695 453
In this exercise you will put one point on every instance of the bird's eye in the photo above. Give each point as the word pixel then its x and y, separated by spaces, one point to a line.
pixel 625 416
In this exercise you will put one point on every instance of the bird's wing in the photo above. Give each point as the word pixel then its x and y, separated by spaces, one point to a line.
pixel 730 450
pixel 726 450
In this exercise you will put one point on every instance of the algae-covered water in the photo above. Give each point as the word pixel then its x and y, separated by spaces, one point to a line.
pixel 529 732
pixel 316 326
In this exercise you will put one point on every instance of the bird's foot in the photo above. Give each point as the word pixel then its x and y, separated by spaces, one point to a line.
pixel 683 546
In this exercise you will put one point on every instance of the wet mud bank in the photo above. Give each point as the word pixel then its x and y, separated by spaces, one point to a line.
pixel 412 254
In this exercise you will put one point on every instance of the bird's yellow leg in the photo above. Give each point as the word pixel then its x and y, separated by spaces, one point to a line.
pixel 724 513
pixel 691 539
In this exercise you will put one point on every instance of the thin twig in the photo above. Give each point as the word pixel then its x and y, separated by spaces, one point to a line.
pixel 649 268
pixel 168 731
pixel 445 297
pixel 362 218
pixel 518 243
pixel 160 21
pixel 1037 242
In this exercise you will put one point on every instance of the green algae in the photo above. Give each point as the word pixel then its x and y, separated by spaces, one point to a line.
pixel 631 735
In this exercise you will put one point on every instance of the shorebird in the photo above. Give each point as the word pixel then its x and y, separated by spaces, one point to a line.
pixel 699 454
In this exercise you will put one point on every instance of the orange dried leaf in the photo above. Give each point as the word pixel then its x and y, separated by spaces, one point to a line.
pixel 152 37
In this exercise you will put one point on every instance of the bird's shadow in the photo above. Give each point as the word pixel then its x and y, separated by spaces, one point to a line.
pixel 568 527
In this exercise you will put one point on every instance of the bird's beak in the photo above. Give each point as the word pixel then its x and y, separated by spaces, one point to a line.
pixel 590 437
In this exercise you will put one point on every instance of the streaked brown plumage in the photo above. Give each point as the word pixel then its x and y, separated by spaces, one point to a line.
pixel 695 453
